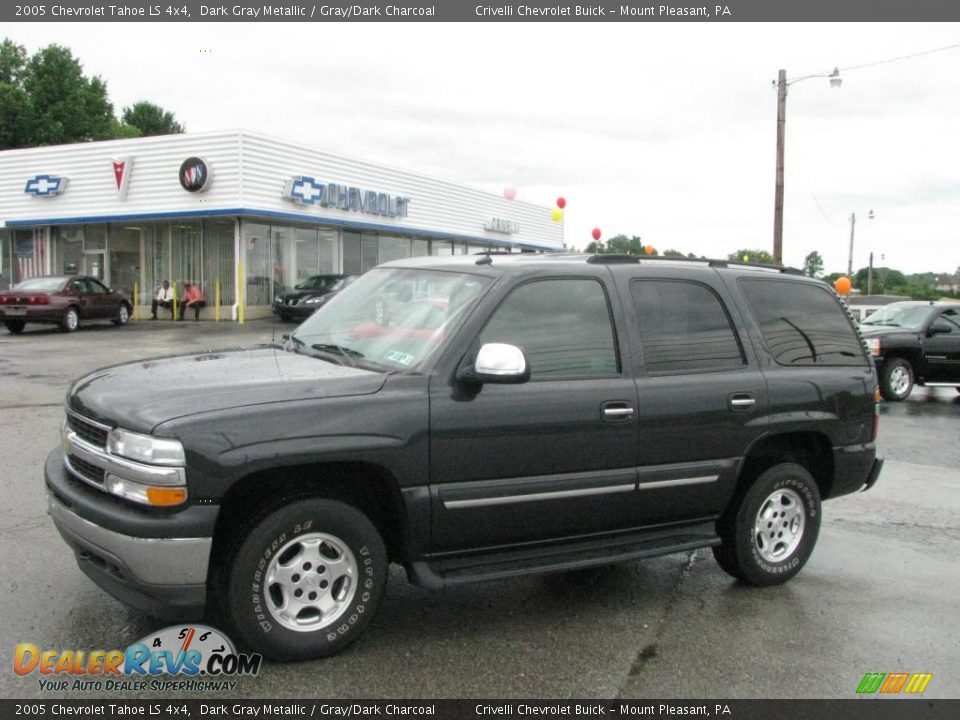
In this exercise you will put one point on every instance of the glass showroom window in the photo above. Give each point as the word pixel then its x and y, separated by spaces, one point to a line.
pixel 218 261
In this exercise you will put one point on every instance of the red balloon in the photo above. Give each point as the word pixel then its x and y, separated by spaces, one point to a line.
pixel 561 203
pixel 596 233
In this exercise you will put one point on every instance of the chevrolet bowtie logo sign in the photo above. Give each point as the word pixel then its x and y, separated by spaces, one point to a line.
pixel 307 190
pixel 45 185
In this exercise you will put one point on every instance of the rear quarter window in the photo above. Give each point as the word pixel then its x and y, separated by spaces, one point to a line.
pixel 802 323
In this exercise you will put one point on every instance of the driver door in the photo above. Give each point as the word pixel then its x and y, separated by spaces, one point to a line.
pixel 550 458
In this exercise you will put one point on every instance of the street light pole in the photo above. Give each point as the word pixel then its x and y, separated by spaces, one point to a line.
pixel 781 85
pixel 778 188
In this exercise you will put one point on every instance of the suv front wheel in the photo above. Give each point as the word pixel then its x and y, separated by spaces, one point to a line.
pixel 770 529
pixel 307 580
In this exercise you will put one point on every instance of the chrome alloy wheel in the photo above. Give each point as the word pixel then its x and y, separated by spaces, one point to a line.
pixel 779 525
pixel 900 380
pixel 310 582
pixel 72 319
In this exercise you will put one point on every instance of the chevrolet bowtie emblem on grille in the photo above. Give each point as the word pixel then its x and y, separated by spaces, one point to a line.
pixel 45 185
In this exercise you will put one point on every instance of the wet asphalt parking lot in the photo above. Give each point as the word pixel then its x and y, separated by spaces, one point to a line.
pixel 880 593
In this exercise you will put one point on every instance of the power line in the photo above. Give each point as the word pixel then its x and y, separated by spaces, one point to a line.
pixel 900 57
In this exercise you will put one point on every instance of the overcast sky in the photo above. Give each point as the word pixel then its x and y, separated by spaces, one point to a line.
pixel 663 130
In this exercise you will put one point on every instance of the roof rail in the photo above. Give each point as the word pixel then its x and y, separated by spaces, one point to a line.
pixel 612 259
pixel 712 262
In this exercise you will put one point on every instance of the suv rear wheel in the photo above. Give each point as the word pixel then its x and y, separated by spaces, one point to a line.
pixel 16 327
pixel 307 579
pixel 896 380
pixel 770 529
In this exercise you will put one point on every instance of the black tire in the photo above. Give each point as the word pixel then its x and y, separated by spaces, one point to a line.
pixel 71 319
pixel 279 542
pixel 123 315
pixel 15 327
pixel 775 554
pixel 896 379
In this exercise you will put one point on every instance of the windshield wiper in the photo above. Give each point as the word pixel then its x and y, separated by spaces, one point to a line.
pixel 347 356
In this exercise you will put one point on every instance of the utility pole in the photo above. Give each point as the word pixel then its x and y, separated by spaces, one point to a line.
pixel 853 223
pixel 778 189
pixel 870 276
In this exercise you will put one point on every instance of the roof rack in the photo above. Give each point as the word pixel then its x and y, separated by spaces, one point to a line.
pixel 613 259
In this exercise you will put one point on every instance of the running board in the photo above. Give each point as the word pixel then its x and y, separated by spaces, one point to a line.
pixel 456 569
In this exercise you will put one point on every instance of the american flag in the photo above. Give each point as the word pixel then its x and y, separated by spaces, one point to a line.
pixel 29 252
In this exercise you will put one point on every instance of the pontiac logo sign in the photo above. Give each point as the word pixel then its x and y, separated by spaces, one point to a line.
pixel 121 175
pixel 195 175
pixel 45 185
pixel 305 190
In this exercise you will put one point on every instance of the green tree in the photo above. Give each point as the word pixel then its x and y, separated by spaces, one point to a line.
pixel 46 99
pixel 753 256
pixel 813 264
pixel 884 280
pixel 13 99
pixel 63 105
pixel 151 119
pixel 673 253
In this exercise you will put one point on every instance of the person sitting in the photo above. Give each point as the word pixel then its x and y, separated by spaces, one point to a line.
pixel 192 297
pixel 163 299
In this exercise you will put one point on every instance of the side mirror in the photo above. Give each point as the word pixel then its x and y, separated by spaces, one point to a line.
pixel 938 328
pixel 497 363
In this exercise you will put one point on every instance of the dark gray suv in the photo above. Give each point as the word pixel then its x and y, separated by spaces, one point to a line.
pixel 511 415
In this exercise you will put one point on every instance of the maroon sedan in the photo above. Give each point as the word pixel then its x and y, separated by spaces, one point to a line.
pixel 63 301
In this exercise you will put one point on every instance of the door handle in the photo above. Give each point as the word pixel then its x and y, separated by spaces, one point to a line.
pixel 614 411
pixel 742 402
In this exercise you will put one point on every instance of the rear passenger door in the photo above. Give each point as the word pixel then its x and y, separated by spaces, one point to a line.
pixel 702 399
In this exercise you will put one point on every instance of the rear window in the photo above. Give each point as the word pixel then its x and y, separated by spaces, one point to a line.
pixel 803 323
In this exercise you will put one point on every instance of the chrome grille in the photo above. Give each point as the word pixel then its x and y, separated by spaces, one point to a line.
pixel 88 471
pixel 93 433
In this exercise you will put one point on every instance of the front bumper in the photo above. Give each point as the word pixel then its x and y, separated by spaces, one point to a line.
pixel 155 562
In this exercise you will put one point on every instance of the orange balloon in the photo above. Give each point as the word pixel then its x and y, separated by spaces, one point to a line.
pixel 842 285
pixel 648 249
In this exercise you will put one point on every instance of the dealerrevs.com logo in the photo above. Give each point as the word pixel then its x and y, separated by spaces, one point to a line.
pixel 201 653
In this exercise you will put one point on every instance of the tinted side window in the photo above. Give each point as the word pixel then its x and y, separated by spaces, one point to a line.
pixel 96 286
pixel 684 327
pixel 802 324
pixel 563 327
pixel 950 319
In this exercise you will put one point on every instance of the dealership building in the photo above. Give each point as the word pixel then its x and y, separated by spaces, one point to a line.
pixel 236 211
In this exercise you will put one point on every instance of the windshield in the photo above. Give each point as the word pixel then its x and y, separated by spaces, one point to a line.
pixel 912 317
pixel 391 318
pixel 318 282
pixel 41 284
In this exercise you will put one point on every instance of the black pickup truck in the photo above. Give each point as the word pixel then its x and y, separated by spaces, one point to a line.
pixel 470 418
pixel 914 343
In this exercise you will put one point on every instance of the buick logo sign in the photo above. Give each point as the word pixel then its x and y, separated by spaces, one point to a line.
pixel 195 175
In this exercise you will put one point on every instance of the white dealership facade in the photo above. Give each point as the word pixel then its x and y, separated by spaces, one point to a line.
pixel 236 209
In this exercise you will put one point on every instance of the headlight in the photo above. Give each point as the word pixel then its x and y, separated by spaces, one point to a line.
pixel 278 300
pixel 317 300
pixel 145 448
pixel 873 344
